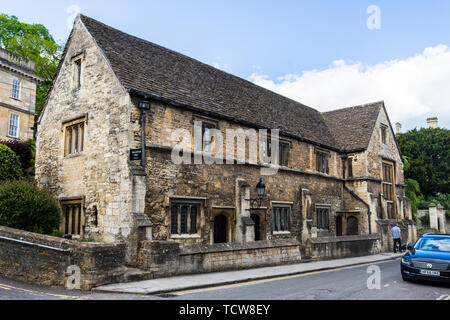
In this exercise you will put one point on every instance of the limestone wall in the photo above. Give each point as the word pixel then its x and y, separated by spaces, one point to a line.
pixel 165 259
pixel 326 248
pixel 101 173
pixel 99 263
pixel 24 106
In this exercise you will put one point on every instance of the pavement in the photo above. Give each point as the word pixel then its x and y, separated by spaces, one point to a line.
pixel 206 280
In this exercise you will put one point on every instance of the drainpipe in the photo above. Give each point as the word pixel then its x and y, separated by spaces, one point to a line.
pixel 353 194
pixel 144 107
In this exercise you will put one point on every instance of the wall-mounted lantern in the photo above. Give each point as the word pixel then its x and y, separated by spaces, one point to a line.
pixel 261 191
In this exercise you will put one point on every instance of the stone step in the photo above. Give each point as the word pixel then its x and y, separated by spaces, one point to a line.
pixel 134 274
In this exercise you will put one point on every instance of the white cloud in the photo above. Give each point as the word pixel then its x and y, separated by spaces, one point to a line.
pixel 414 87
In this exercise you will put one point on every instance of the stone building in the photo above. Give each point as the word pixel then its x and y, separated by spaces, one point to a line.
pixel 18 82
pixel 340 173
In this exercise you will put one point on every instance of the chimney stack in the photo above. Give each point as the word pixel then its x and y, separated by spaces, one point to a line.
pixel 398 127
pixel 432 123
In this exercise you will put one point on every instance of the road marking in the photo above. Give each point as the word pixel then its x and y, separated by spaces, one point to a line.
pixel 37 293
pixel 444 297
pixel 252 282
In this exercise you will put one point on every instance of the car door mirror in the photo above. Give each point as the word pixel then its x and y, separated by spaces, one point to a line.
pixel 410 248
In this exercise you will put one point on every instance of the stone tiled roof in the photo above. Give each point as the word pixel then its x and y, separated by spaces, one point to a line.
pixel 150 69
pixel 352 127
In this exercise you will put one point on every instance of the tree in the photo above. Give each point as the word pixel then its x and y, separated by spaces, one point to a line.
pixel 32 41
pixel 428 154
pixel 9 164
pixel 22 149
pixel 25 206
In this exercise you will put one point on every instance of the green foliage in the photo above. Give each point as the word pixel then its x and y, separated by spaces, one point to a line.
pixel 427 152
pixel 412 191
pixel 58 233
pixel 443 199
pixel 32 145
pixel 25 206
pixel 9 164
pixel 425 219
pixel 32 41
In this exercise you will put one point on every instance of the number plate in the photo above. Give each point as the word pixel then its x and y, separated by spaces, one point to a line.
pixel 430 273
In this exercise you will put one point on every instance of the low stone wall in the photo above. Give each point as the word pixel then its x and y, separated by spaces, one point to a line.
pixel 165 259
pixel 408 228
pixel 326 248
pixel 99 263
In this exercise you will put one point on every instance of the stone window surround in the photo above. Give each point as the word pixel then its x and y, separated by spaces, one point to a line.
pixel 322 206
pixel 77 70
pixel 208 123
pixel 384 133
pixel 327 156
pixel 392 163
pixel 18 125
pixel 18 89
pixel 173 199
pixel 71 122
pixel 283 204
pixel 79 200
pixel 282 141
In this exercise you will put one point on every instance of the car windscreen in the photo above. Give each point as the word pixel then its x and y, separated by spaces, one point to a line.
pixel 431 244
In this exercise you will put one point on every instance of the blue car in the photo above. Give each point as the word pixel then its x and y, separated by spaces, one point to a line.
pixel 428 259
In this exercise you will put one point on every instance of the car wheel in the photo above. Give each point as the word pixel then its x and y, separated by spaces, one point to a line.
pixel 405 278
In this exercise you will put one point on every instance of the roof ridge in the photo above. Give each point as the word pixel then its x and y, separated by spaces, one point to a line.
pixel 197 61
pixel 366 105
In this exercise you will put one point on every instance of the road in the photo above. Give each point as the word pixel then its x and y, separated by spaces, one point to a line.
pixel 341 284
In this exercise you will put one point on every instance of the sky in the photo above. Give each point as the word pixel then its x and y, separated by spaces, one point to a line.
pixel 325 54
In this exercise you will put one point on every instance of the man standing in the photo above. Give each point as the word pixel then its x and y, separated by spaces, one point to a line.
pixel 397 236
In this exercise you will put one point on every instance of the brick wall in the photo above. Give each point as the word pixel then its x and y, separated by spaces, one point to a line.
pixel 100 263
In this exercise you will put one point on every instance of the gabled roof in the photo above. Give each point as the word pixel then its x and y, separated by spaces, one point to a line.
pixel 150 69
pixel 352 127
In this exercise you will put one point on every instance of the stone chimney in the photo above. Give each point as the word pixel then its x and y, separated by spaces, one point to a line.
pixel 432 123
pixel 398 128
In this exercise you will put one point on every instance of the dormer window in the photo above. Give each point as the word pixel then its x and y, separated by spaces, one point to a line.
pixel 203 135
pixel 322 161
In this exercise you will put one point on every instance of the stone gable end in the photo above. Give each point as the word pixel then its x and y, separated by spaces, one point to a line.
pixel 99 175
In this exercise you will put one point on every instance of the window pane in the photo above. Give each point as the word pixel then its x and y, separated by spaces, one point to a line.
pixel 207 138
pixel 75 149
pixel 70 140
pixel 16 89
pixel 274 219
pixel 13 125
pixel 193 229
pixel 183 223
pixel 174 220
pixel 198 137
pixel 82 138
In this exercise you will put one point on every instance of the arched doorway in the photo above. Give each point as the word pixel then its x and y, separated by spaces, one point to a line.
pixel 256 219
pixel 352 226
pixel 220 229
pixel 339 226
